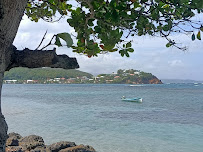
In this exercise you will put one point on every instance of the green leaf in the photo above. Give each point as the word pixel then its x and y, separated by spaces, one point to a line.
pixel 127 54
pixel 121 52
pixel 199 36
pixel 51 1
pixel 136 5
pixel 201 28
pixel 29 5
pixel 128 45
pixel 165 27
pixel 67 38
pixel 130 50
pixel 193 36
pixel 165 6
pixel 58 42
pixel 168 44
pixel 97 29
pixel 115 16
pixel 90 22
pixel 113 50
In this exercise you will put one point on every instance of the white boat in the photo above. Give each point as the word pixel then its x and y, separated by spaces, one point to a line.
pixel 136 85
pixel 139 100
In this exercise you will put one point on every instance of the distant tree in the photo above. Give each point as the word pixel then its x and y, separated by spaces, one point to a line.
pixel 101 26
pixel 120 72
pixel 131 71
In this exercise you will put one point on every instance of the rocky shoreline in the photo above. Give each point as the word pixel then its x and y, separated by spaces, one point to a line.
pixel 34 143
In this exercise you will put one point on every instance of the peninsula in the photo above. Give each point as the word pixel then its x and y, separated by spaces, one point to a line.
pixel 48 75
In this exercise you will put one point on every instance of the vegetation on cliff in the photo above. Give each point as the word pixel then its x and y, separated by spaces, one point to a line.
pixel 48 75
pixel 130 76
pixel 43 74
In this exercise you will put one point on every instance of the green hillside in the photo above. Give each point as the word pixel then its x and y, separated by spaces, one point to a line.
pixel 130 76
pixel 43 73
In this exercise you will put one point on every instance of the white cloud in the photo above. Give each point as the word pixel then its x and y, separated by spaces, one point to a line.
pixel 30 33
pixel 176 63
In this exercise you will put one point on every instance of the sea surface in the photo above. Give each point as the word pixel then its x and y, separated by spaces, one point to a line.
pixel 170 119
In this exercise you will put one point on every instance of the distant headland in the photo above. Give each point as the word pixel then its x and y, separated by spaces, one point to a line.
pixel 61 76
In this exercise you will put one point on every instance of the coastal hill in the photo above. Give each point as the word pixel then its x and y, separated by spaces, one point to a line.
pixel 130 76
pixel 49 75
pixel 43 74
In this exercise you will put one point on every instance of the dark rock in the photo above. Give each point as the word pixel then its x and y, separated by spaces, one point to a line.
pixel 155 81
pixel 20 149
pixel 31 142
pixel 18 136
pixel 13 139
pixel 14 149
pixel 39 149
pixel 79 148
pixel 60 145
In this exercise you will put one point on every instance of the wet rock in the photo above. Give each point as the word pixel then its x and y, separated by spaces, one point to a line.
pixel 13 139
pixel 31 142
pixel 79 148
pixel 14 149
pixel 60 145
pixel 13 134
pixel 39 149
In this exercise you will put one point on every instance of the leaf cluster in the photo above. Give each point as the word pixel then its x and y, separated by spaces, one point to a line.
pixel 104 26
pixel 46 9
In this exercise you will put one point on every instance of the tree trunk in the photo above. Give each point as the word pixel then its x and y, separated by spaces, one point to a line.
pixel 3 125
pixel 11 12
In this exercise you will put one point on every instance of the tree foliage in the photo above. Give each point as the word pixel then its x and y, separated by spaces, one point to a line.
pixel 109 25
pixel 43 74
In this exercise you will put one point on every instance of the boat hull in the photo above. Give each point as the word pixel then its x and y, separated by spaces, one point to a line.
pixel 139 100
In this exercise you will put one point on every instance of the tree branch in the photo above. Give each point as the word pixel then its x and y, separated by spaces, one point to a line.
pixel 41 41
pixel 39 58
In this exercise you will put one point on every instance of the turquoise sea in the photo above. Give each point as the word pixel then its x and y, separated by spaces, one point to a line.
pixel 170 119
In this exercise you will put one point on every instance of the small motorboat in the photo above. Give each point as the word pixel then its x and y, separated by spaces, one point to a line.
pixel 139 100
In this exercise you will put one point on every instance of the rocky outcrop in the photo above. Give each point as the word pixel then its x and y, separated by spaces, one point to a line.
pixel 79 148
pixel 31 143
pixel 34 143
pixel 60 145
pixel 155 81
pixel 13 139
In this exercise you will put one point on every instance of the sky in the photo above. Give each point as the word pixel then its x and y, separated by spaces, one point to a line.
pixel 150 55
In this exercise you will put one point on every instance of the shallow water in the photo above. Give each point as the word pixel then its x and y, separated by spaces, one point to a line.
pixel 170 119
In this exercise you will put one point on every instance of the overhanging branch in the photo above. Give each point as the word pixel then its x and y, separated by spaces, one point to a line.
pixel 40 58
